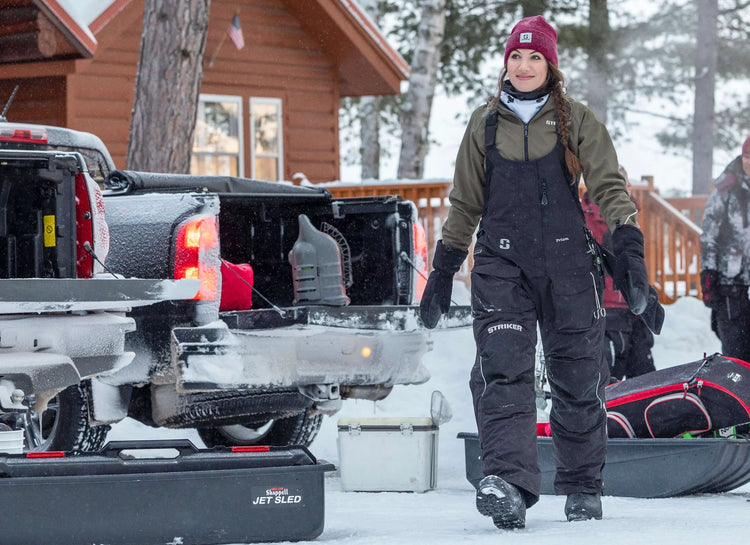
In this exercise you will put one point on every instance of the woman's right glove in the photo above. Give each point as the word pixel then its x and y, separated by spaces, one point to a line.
pixel 436 298
pixel 709 287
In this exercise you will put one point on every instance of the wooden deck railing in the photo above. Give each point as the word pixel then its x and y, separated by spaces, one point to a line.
pixel 672 244
pixel 690 207
pixel 670 228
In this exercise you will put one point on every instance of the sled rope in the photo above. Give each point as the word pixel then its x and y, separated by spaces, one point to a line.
pixel 281 312
pixel 90 250
pixel 405 257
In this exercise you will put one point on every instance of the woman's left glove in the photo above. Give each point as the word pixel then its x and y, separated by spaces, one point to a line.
pixel 436 298
pixel 629 268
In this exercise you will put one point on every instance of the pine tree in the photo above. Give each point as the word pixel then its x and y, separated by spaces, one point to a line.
pixel 703 123
pixel 706 51
pixel 170 70
pixel 617 62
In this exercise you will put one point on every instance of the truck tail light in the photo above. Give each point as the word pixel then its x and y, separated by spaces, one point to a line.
pixel 92 234
pixel 420 260
pixel 84 229
pixel 25 135
pixel 197 255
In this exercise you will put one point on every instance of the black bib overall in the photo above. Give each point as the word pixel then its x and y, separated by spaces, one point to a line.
pixel 532 265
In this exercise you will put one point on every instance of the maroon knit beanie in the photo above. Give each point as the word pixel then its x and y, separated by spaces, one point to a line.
pixel 746 146
pixel 533 33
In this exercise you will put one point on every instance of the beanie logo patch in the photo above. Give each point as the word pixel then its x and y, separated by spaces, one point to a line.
pixel 525 38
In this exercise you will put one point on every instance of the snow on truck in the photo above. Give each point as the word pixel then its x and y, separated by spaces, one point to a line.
pixel 304 300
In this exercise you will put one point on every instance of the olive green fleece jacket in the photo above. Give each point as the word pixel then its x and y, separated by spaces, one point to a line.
pixel 589 140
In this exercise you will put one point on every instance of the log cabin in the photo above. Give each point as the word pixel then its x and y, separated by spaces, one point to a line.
pixel 266 111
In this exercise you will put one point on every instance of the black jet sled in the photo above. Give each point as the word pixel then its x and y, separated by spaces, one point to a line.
pixel 148 492
pixel 677 431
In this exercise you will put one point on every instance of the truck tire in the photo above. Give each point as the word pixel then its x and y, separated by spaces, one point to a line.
pixel 298 429
pixel 65 424
pixel 220 409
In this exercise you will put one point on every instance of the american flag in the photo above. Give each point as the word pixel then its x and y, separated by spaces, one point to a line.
pixel 235 32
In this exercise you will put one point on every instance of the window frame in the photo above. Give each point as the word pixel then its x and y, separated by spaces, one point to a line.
pixel 280 154
pixel 237 99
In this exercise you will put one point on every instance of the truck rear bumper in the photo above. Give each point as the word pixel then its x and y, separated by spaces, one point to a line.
pixel 350 347
pixel 51 352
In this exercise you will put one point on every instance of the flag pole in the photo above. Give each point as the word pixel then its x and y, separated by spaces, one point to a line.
pixel 221 42
pixel 216 51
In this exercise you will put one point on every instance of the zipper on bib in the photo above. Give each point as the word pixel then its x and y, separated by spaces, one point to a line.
pixel 526 141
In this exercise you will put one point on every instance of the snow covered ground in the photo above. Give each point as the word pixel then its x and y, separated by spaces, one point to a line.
pixel 447 515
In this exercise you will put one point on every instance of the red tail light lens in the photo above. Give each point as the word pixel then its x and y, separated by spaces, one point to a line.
pixel 84 228
pixel 197 255
pixel 420 259
pixel 23 134
pixel 260 448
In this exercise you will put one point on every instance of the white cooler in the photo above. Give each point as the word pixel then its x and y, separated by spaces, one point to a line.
pixel 388 454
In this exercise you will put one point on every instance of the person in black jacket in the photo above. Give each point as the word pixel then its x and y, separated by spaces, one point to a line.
pixel 516 176
pixel 725 256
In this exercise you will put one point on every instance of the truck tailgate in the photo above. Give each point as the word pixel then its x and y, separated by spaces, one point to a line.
pixel 21 295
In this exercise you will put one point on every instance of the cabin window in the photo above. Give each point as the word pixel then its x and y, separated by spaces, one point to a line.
pixel 266 139
pixel 217 144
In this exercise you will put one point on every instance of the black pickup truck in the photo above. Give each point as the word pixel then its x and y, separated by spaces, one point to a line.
pixel 62 323
pixel 265 373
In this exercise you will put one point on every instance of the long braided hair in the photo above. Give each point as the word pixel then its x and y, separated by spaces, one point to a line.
pixel 555 83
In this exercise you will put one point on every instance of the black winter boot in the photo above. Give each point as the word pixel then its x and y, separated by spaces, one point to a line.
pixel 502 501
pixel 580 506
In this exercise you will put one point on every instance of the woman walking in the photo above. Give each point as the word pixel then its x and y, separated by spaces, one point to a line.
pixel 516 175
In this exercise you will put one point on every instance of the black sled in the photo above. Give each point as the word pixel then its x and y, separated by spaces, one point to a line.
pixel 126 494
pixel 672 432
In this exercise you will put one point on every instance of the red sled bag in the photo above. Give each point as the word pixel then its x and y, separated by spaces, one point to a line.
pixel 707 397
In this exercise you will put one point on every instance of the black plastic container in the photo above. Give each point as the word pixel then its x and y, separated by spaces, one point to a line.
pixel 200 496
pixel 647 468
pixel 37 215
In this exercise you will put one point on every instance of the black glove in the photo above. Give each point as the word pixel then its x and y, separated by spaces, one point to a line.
pixel 709 287
pixel 653 315
pixel 629 268
pixel 436 298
